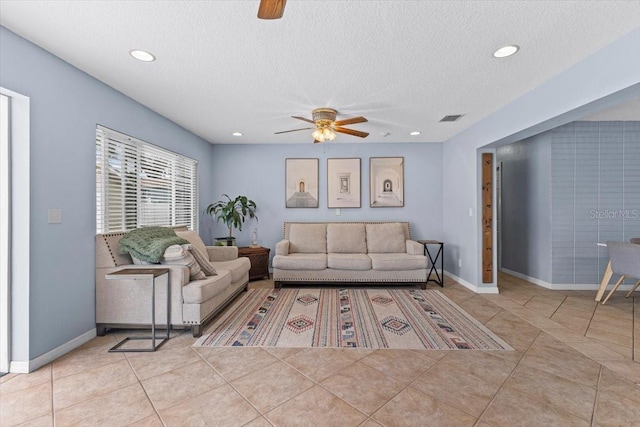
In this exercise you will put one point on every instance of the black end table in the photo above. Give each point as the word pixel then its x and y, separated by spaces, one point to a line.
pixel 440 254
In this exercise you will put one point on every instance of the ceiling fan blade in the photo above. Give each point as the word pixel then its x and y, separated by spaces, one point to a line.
pixel 351 132
pixel 303 119
pixel 292 130
pixel 350 121
pixel 271 9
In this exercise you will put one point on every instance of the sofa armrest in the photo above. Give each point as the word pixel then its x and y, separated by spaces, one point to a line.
pixel 414 248
pixel 222 253
pixel 282 247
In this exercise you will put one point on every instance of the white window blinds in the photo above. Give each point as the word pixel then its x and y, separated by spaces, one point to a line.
pixel 139 184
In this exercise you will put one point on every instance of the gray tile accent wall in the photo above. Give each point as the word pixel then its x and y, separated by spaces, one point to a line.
pixel 595 195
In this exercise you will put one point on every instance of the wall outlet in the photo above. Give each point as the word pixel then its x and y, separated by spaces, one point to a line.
pixel 337 211
pixel 460 262
pixel 470 211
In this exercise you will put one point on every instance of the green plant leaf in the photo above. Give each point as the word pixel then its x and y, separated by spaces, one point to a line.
pixel 232 212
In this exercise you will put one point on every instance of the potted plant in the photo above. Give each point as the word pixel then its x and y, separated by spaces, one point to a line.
pixel 233 213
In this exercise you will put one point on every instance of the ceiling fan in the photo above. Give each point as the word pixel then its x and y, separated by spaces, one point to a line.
pixel 326 125
pixel 271 9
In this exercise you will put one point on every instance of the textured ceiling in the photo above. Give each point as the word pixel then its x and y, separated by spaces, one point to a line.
pixel 402 64
pixel 628 111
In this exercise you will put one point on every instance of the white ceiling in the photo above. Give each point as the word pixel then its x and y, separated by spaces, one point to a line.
pixel 627 111
pixel 402 64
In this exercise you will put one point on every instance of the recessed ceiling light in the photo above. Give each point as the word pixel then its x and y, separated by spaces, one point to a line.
pixel 415 132
pixel 237 134
pixel 142 55
pixel 505 51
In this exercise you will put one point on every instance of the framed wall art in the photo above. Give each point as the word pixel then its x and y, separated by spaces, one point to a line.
pixel 386 182
pixel 301 183
pixel 343 183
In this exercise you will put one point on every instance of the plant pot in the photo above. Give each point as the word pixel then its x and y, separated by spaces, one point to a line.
pixel 225 241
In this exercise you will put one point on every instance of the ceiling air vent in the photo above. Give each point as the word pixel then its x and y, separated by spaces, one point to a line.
pixel 453 118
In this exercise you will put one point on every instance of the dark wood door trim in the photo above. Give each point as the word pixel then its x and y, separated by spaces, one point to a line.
pixel 487 217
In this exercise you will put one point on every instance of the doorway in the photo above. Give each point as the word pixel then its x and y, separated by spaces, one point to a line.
pixel 5 237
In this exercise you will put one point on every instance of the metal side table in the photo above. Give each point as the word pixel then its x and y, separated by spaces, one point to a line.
pixel 145 275
pixel 440 254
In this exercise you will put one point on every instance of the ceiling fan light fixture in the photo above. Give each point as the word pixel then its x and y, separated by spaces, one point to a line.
pixel 142 55
pixel 506 51
pixel 326 127
pixel 328 134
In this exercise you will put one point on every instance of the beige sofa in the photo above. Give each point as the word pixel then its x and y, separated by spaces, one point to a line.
pixel 349 252
pixel 121 303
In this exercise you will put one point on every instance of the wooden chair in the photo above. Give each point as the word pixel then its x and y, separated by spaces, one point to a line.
pixel 625 261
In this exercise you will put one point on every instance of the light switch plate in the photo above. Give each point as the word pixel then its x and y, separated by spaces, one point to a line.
pixel 338 211
pixel 54 216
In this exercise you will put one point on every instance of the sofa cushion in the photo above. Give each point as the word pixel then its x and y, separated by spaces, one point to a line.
pixel 194 238
pixel 308 238
pixel 398 261
pixel 198 291
pixel 349 261
pixel 300 261
pixel 238 267
pixel 346 239
pixel 385 238
pixel 179 255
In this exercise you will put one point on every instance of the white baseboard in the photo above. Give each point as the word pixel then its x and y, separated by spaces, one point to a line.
pixel 527 278
pixel 472 287
pixel 560 286
pixel 30 366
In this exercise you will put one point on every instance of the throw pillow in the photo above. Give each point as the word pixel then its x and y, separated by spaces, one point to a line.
pixel 178 255
pixel 138 261
pixel 202 260
pixel 194 238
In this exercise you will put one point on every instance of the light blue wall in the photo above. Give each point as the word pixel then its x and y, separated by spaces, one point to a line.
pixel 526 206
pixel 615 69
pixel 66 105
pixel 258 171
pixel 564 191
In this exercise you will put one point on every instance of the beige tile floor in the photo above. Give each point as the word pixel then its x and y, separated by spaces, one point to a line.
pixel 573 364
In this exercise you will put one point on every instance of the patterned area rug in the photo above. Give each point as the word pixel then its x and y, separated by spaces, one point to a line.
pixel 357 318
